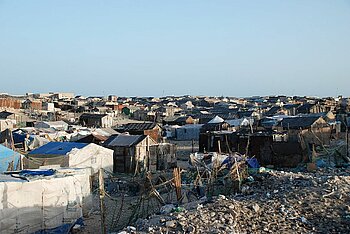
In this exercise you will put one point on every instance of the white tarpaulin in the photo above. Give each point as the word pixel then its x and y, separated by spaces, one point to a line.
pixel 43 203
pixel 91 156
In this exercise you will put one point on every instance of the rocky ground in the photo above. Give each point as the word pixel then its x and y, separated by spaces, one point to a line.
pixel 273 202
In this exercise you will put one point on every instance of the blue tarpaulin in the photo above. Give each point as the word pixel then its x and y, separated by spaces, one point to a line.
pixel 63 229
pixel 57 148
pixel 6 156
pixel 18 137
pixel 229 161
pixel 48 172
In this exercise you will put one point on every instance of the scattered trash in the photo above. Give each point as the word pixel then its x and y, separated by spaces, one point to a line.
pixel 311 167
pixel 250 179
pixel 167 209
pixel 274 204
pixel 256 207
pixel 131 229
pixel 262 169
pixel 304 220
pixel 321 163
pixel 171 224
pixel 178 209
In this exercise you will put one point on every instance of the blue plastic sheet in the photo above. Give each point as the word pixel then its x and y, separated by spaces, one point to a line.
pixel 229 161
pixel 63 229
pixel 48 172
pixel 18 137
pixel 57 148
pixel 7 156
pixel 253 163
pixel 321 163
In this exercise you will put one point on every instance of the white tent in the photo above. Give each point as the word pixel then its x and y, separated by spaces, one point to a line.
pixel 91 156
pixel 63 154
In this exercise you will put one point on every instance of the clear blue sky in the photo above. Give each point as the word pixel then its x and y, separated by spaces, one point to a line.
pixel 126 47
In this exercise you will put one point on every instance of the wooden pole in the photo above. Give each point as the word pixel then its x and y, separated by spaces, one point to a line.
pixel 347 141
pixel 192 146
pixel 102 204
pixel 177 181
pixel 219 146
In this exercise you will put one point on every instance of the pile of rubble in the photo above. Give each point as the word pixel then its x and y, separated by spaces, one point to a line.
pixel 272 201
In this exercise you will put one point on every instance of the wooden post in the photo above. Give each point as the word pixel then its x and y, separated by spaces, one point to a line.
pixel 192 146
pixel 102 204
pixel 347 141
pixel 219 146
pixel 177 181
pixel 21 167
pixel 147 161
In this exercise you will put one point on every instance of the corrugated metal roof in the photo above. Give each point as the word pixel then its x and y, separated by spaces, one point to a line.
pixel 57 148
pixel 106 131
pixel 92 116
pixel 5 114
pixel 298 122
pixel 123 140
pixel 138 126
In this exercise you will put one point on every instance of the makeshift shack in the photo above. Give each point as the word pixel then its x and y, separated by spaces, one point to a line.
pixel 313 129
pixel 270 148
pixel 131 152
pixel 137 153
pixel 151 129
pixel 96 120
pixel 188 132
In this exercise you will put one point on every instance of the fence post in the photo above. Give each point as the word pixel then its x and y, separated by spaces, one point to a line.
pixel 177 182
pixel 102 204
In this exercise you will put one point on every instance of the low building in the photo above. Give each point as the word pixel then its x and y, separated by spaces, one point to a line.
pixel 216 124
pixel 148 128
pixel 8 120
pixel 269 148
pixel 131 152
pixel 10 103
pixel 313 129
pixel 7 124
pixel 188 132
pixel 48 106
pixel 93 138
pixel 60 96
pixel 178 120
pixel 237 124
pixel 96 120
pixel 56 125
pixel 8 115
pixel 139 153
pixel 32 105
